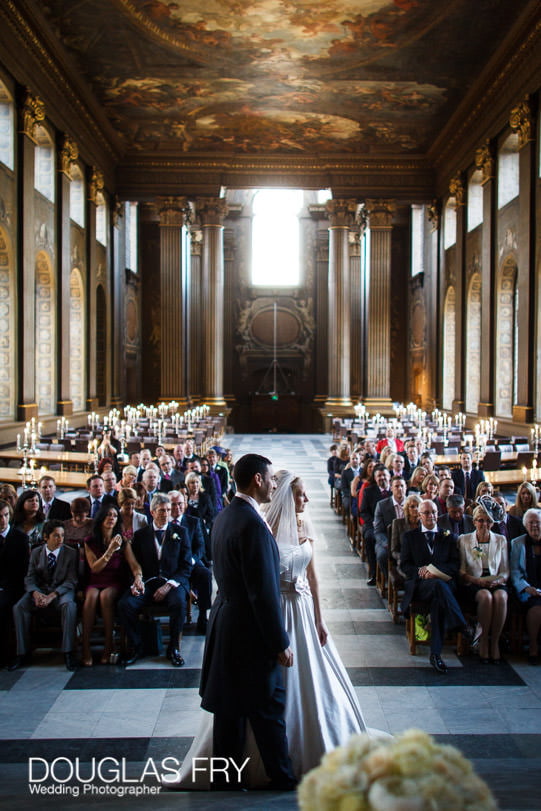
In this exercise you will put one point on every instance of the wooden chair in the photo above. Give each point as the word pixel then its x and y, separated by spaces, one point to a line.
pixel 395 590
pixel 419 607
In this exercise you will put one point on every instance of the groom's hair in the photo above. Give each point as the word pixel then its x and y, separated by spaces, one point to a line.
pixel 246 468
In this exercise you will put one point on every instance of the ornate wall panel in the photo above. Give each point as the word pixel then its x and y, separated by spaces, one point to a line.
pixel 473 344
pixel 449 337
pixel 7 327
pixel 45 340
pixel 506 306
pixel 418 343
pixel 77 340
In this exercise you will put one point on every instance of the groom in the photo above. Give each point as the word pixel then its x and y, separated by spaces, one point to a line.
pixel 246 638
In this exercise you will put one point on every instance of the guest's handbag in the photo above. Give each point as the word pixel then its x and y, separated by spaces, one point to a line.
pixel 151 636
pixel 422 628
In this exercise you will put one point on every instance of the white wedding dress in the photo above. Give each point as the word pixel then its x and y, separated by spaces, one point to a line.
pixel 322 710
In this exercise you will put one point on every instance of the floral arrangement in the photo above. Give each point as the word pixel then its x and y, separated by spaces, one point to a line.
pixel 410 772
pixel 477 552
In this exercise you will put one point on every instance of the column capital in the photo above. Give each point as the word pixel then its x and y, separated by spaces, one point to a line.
pixel 342 212
pixel 32 112
pixel 433 213
pixel 521 122
pixel 456 191
pixel 117 210
pixel 484 162
pixel 196 239
pixel 173 211
pixel 68 154
pixel 211 211
pixel 96 185
pixel 380 213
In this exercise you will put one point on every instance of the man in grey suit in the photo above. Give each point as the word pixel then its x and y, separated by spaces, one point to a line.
pixel 49 584
pixel 455 520
pixel 386 511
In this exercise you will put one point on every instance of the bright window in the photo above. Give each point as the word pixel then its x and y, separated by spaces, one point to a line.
pixel 276 237
pixel 7 128
pixel 418 219
pixel 475 204
pixel 449 226
pixel 44 164
pixel 77 196
pixel 508 182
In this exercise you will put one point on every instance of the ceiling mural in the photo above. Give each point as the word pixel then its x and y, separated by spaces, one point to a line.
pixel 279 76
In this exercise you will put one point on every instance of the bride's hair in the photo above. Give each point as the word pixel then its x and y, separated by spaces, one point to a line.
pixel 280 513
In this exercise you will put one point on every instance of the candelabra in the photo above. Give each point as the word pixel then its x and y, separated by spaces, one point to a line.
pixel 535 435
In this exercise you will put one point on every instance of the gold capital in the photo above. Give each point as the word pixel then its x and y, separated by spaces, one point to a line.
pixel 433 212
pixel 484 160
pixel 69 153
pixel 95 186
pixel 342 212
pixel 456 191
pixel 117 210
pixel 33 111
pixel 211 210
pixel 173 211
pixel 380 213
pixel 521 122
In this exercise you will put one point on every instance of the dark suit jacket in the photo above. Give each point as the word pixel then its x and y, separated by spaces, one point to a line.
pixel 194 528
pixel 64 577
pixel 165 485
pixel 176 560
pixel 512 528
pixel 459 479
pixel 371 496
pixel 246 631
pixel 59 510
pixel 415 553
pixel 14 554
pixel 383 519
pixel 465 526
pixel 105 500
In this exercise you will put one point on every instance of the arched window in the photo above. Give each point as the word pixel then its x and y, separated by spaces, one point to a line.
pixel 44 164
pixel 77 195
pixel 449 225
pixel 130 224
pixel 275 237
pixel 508 171
pixel 101 220
pixel 418 220
pixel 506 338
pixel 449 332
pixel 473 344
pixel 77 340
pixel 7 127
pixel 45 335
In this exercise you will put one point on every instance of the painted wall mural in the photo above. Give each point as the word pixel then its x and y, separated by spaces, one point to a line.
pixel 292 77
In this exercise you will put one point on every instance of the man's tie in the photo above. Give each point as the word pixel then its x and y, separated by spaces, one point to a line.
pixel 46 508
pixel 399 511
pixel 51 563
pixel 430 541
pixel 467 491
pixel 95 507
pixel 159 535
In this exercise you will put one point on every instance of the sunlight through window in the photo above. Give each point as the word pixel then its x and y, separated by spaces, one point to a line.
pixel 275 237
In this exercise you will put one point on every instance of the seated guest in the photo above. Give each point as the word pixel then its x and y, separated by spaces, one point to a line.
pixel 371 495
pixel 201 577
pixel 484 571
pixel 412 459
pixel 105 464
pixel 427 462
pixel 386 511
pixel 360 482
pixel 49 584
pixel 178 458
pixel 200 505
pixel 151 480
pixel 14 553
pixel 430 487
pixel 221 470
pixel 106 580
pixel 509 526
pixel 109 484
pixel 28 516
pixel 129 477
pixel 399 526
pixel 415 484
pixel 208 474
pixel 96 494
pixel 351 470
pixel 445 489
pixel 466 478
pixel 395 463
pixel 386 454
pixel 168 473
pixel 391 441
pixel 160 559
pixel 526 577
pixel 130 518
pixel 135 459
pixel 189 453
pixel 79 526
pixel 52 507
pixel 145 458
pixel 526 500
pixel 9 494
pixel 455 520
pixel 444 472
pixel 429 559
pixel 141 494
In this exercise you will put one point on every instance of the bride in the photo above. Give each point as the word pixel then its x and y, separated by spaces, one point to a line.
pixel 321 706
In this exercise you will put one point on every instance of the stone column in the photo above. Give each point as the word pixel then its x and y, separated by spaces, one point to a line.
pixel 522 122
pixel 484 162
pixel 378 306
pixel 457 199
pixel 211 213
pixel 31 113
pixel 196 336
pixel 173 268
pixel 341 216
pixel 67 155
pixel 118 288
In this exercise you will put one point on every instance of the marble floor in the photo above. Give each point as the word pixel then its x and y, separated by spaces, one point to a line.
pixel 149 712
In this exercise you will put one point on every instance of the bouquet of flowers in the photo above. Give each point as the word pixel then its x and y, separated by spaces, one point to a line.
pixel 410 772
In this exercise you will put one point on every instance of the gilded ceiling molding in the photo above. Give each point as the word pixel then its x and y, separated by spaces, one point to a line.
pixel 433 212
pixel 521 122
pixel 32 112
pixel 173 211
pixel 456 192
pixel 69 152
pixel 342 212
pixel 211 211
pixel 117 210
pixel 95 185
pixel 484 161
pixel 380 213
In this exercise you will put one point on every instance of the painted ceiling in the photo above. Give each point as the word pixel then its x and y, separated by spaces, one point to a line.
pixel 280 77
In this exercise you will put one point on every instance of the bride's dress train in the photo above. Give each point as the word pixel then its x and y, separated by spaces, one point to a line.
pixel 322 710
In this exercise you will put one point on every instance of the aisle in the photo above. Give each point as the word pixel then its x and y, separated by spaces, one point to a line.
pixel 151 710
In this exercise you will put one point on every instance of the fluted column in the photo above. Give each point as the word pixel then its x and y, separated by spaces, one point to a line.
pixel 211 213
pixel 484 162
pixel 341 216
pixel 378 303
pixel 31 114
pixel 173 271
pixel 68 154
